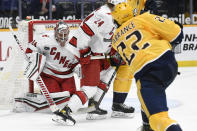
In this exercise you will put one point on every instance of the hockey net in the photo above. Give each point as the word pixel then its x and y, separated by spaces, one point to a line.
pixel 12 82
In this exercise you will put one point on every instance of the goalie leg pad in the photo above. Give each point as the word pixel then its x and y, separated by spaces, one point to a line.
pixel 33 102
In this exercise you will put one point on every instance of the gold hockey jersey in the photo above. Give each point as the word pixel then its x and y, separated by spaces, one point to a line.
pixel 138 5
pixel 143 39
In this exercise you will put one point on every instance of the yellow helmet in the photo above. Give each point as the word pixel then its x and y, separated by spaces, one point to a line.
pixel 122 12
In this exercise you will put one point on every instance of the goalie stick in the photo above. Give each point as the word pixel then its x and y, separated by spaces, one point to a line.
pixel 42 86
pixel 39 80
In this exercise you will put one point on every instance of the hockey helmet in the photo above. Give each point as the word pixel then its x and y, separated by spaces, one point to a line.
pixel 61 32
pixel 122 12
pixel 137 5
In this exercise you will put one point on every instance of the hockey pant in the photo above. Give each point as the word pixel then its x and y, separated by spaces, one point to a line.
pixel 55 84
pixel 152 83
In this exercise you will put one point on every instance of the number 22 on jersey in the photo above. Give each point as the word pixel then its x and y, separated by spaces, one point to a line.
pixel 129 47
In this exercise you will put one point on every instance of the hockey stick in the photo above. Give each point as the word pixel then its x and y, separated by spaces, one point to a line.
pixel 43 87
pixel 94 107
pixel 99 57
pixel 39 80
pixel 109 82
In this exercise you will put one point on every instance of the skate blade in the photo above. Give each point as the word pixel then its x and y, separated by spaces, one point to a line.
pixel 116 114
pixel 61 121
pixel 95 117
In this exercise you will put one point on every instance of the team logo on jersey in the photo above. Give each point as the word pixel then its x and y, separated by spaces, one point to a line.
pixel 46 48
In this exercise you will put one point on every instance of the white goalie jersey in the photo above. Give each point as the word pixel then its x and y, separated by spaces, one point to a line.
pixel 95 32
pixel 59 61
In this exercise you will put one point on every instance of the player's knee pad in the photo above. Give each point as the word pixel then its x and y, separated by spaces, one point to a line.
pixel 90 91
pixel 102 87
pixel 123 80
pixel 161 122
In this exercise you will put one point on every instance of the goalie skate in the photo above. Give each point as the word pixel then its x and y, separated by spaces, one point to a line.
pixel 120 110
pixel 98 113
pixel 63 117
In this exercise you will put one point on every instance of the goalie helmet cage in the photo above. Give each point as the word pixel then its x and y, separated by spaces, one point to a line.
pixel 49 24
pixel 12 82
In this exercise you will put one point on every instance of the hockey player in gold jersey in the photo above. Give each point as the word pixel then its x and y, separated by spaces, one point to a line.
pixel 145 43
pixel 122 82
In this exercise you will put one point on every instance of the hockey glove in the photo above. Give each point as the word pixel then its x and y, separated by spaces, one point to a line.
pixel 85 56
pixel 115 58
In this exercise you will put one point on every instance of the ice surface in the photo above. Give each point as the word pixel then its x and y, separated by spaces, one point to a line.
pixel 182 97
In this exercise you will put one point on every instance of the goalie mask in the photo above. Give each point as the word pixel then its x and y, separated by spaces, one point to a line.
pixel 61 33
pixel 122 12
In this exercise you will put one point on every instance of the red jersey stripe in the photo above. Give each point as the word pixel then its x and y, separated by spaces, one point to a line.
pixel 87 29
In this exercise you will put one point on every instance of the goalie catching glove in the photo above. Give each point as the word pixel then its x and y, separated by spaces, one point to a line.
pixel 35 66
